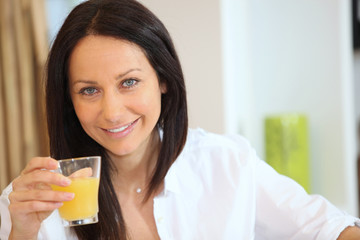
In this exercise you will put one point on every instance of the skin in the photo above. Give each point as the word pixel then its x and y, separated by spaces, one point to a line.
pixel 350 233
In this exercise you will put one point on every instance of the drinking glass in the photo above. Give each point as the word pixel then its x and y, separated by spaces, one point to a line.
pixel 84 173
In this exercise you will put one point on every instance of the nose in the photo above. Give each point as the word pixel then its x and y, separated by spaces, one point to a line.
pixel 113 107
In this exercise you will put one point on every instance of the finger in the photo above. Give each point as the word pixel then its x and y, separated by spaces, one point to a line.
pixel 19 185
pixel 23 208
pixel 32 179
pixel 40 163
pixel 40 195
pixel 42 186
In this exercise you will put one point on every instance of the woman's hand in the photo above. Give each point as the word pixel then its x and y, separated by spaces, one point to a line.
pixel 32 199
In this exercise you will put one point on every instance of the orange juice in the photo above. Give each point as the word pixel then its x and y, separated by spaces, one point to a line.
pixel 85 202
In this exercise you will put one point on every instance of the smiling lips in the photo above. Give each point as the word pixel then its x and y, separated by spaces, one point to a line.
pixel 120 129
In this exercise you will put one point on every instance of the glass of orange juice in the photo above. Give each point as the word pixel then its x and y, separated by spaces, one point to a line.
pixel 84 173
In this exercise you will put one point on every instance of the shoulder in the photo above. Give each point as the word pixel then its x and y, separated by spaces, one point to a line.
pixel 201 140
pixel 206 147
pixel 214 163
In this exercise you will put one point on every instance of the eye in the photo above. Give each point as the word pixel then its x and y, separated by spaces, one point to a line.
pixel 128 83
pixel 89 91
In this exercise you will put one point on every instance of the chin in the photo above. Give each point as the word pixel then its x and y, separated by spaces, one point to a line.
pixel 120 152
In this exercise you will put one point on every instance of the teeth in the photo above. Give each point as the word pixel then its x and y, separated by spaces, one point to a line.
pixel 116 130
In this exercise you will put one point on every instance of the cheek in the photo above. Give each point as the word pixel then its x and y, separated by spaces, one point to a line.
pixel 149 105
pixel 85 113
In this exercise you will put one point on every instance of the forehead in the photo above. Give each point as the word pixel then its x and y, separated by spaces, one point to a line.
pixel 106 54
pixel 98 45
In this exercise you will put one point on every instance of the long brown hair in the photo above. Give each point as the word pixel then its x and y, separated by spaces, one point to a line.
pixel 131 21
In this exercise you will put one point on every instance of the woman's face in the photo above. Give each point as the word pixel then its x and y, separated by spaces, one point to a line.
pixel 115 93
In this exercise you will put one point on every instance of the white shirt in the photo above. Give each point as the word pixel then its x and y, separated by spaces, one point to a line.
pixel 219 189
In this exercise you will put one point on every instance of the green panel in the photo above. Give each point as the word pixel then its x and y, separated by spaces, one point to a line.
pixel 287 147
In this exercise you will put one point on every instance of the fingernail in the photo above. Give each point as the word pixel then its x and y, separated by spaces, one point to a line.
pixel 58 204
pixel 69 195
pixel 65 181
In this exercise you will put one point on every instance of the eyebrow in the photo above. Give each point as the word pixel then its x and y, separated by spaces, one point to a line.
pixel 125 73
pixel 117 78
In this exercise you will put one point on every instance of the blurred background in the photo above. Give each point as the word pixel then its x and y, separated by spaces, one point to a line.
pixel 275 71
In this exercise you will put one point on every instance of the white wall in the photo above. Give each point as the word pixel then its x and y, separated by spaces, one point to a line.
pixel 56 12
pixel 357 86
pixel 195 27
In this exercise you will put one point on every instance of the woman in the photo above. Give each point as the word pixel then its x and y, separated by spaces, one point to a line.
pixel 115 88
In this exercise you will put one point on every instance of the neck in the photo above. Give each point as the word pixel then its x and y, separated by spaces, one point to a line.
pixel 135 171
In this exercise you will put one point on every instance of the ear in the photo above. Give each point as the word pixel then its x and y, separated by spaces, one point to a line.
pixel 163 88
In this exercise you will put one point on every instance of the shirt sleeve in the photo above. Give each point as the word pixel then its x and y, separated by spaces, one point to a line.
pixel 285 211
pixel 4 213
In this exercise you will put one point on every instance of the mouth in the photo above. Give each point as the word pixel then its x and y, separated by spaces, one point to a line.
pixel 122 128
